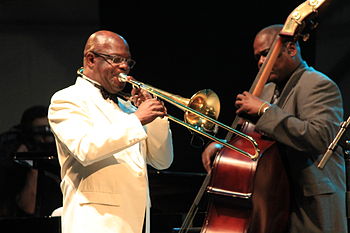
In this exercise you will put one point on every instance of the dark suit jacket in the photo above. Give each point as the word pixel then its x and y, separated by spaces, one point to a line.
pixel 304 124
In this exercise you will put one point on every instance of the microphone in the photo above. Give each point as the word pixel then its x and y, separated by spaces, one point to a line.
pixel 343 127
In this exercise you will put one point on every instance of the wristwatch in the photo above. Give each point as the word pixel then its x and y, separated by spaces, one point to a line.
pixel 265 109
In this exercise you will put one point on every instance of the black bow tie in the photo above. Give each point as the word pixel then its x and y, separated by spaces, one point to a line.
pixel 106 94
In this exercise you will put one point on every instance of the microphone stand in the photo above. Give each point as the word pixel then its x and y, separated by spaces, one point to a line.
pixel 343 139
pixel 347 169
pixel 340 136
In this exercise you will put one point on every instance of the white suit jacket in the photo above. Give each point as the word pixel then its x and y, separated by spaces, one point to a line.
pixel 103 150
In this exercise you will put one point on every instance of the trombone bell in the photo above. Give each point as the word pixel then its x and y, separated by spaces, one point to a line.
pixel 206 102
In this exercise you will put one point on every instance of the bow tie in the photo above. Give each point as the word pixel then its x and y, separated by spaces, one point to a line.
pixel 106 95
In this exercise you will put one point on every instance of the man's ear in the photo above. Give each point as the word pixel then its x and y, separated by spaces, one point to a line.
pixel 90 59
pixel 291 49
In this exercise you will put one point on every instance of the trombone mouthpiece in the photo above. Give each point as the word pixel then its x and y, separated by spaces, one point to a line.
pixel 122 77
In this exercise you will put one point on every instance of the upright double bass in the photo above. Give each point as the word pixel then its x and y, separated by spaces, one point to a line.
pixel 251 195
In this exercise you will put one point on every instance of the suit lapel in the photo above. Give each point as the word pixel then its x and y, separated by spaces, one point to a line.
pixel 268 92
pixel 288 90
pixel 105 107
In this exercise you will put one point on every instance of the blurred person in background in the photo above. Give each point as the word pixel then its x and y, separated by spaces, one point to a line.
pixel 30 179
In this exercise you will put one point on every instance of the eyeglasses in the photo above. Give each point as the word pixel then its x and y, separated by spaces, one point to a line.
pixel 116 59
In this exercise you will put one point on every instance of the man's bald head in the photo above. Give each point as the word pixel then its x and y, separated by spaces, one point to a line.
pixel 271 30
pixel 103 40
pixel 99 65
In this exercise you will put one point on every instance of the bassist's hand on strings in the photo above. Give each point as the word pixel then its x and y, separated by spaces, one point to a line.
pixel 208 155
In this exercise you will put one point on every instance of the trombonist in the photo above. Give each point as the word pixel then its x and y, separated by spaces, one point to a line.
pixel 104 143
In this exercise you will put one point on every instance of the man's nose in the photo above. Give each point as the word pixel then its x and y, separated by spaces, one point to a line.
pixel 124 66
pixel 261 61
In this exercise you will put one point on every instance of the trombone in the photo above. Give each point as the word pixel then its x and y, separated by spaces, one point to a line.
pixel 201 121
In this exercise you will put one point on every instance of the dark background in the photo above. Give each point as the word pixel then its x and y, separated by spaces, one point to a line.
pixel 180 47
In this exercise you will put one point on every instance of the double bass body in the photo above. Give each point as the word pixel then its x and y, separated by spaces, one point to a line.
pixel 246 195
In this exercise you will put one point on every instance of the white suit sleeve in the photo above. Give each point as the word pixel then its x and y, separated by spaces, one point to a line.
pixel 159 144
